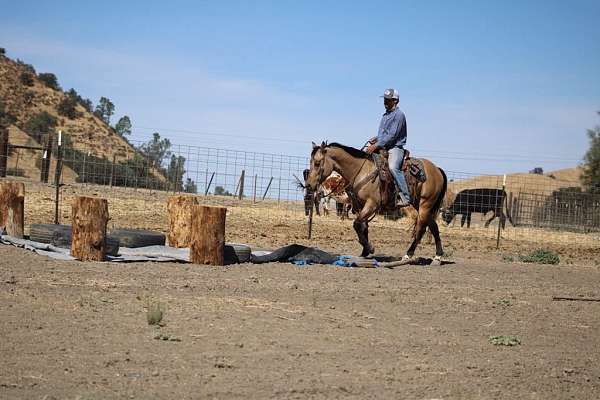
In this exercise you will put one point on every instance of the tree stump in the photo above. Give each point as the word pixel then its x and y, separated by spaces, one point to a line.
pixel 208 235
pixel 180 220
pixel 90 216
pixel 12 208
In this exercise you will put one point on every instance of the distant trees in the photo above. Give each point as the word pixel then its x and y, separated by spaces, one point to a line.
pixel 50 80
pixel 105 109
pixel 591 166
pixel 123 126
pixel 68 105
pixel 6 118
pixel 2 51
pixel 40 124
pixel 175 172
pixel 220 191
pixel 190 186
pixel 26 78
pixel 537 171
pixel 156 149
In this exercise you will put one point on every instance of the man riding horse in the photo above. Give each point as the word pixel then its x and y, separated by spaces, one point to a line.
pixel 366 188
pixel 391 136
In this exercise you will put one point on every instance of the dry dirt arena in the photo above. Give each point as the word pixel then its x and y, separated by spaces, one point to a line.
pixel 73 330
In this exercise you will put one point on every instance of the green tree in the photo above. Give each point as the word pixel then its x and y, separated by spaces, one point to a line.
pixel 175 172
pixel 105 109
pixel 68 105
pixel 26 78
pixel 49 79
pixel 156 149
pixel 123 127
pixel 591 166
pixel 2 51
pixel 40 124
pixel 220 191
pixel 190 186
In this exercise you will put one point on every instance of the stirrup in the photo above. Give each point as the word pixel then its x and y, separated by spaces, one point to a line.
pixel 401 202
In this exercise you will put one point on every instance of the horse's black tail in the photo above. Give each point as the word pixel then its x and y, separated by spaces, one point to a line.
pixel 440 199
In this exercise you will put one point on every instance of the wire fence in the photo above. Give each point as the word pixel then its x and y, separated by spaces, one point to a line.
pixel 533 207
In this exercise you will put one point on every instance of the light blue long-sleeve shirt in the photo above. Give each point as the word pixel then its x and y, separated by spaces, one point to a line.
pixel 392 130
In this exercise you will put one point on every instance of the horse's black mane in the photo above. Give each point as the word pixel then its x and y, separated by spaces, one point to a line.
pixel 350 150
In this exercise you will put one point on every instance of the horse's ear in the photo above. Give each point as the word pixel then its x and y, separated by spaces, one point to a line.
pixel 323 144
pixel 314 145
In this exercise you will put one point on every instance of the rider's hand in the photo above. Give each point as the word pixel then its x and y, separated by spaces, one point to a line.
pixel 371 149
pixel 373 140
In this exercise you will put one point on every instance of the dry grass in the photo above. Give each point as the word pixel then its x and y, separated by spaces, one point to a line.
pixel 270 224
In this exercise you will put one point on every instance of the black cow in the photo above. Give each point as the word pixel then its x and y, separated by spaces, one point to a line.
pixel 477 200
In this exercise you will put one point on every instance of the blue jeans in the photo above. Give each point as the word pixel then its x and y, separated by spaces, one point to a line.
pixel 395 157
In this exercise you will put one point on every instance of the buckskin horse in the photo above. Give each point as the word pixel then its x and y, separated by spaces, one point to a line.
pixel 365 188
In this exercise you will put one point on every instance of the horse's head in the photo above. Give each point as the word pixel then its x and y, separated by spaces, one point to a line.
pixel 321 166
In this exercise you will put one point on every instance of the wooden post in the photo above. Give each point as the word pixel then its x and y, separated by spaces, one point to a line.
pixel 12 201
pixel 310 220
pixel 208 235
pixel 241 193
pixel 180 220
pixel 90 216
pixel 3 150
pixel 254 190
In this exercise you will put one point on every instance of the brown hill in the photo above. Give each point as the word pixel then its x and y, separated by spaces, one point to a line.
pixel 85 132
pixel 522 182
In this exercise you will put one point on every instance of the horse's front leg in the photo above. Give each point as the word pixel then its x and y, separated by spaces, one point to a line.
pixel 361 226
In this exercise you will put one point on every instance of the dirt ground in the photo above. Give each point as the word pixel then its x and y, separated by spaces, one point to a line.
pixel 75 330
pixel 78 330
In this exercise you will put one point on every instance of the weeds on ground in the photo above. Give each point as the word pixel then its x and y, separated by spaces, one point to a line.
pixel 541 256
pixel 503 303
pixel 504 340
pixel 155 313
pixel 167 337
pixel 508 258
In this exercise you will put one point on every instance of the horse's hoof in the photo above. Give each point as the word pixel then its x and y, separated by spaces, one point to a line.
pixel 437 261
pixel 371 249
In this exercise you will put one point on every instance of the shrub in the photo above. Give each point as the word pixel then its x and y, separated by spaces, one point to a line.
pixel 541 256
pixel 40 124
pixel 26 78
pixel 68 107
pixel 49 80
pixel 2 51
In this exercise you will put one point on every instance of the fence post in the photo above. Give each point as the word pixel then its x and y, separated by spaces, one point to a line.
pixel 254 190
pixel 279 192
pixel 46 158
pixel 83 168
pixel 3 151
pixel 57 173
pixel 209 183
pixel 310 222
pixel 501 207
pixel 242 178
pixel 112 170
pixel 267 189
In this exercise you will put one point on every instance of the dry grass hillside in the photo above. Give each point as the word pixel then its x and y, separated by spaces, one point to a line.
pixel 88 132
pixel 522 182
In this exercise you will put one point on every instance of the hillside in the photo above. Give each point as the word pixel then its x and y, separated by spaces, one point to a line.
pixel 522 182
pixel 88 132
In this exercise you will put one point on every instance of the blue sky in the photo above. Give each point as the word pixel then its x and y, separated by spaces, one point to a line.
pixel 487 87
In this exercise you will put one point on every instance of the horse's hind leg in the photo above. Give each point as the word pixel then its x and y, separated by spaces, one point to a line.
pixel 487 223
pixel 420 228
pixel 439 250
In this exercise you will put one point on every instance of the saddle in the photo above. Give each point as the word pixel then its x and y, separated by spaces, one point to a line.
pixel 414 173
